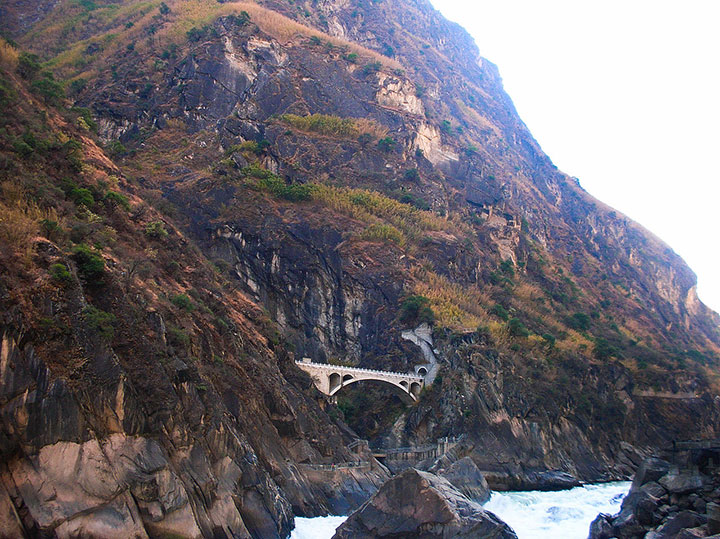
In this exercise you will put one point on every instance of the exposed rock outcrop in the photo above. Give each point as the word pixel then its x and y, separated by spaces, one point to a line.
pixel 420 504
pixel 664 503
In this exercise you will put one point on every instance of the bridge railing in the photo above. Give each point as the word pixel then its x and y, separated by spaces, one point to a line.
pixel 337 467
pixel 339 368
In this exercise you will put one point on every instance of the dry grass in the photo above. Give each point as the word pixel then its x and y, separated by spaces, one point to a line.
pixel 8 55
pixel 196 13
pixel 325 124
pixel 285 29
pixel 113 35
pixel 575 343
pixel 19 219
pixel 373 207
pixel 455 306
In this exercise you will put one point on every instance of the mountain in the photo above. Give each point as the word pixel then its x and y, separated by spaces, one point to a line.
pixel 197 193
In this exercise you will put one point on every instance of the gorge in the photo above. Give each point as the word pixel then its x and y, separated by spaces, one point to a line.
pixel 195 195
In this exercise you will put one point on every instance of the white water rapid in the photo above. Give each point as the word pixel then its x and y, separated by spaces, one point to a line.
pixel 565 514
pixel 316 528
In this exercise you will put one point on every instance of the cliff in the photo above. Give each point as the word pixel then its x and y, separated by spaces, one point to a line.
pixel 227 187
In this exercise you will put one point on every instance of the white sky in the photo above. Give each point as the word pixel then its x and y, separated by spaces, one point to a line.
pixel 625 95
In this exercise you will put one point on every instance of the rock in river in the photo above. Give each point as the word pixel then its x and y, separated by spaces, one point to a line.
pixel 422 505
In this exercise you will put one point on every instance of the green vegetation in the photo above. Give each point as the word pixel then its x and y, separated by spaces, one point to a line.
pixel 417 201
pixel 411 174
pixel 178 338
pixel 156 229
pixel 115 199
pixel 578 321
pixel 48 88
pixel 500 311
pixel 323 124
pixel 183 302
pixel 276 186
pixel 90 264
pixel 517 329
pixel 383 232
pixel 416 310
pixel 334 126
pixel 82 197
pixel 100 321
pixel 386 144
pixel 371 68
pixel 60 273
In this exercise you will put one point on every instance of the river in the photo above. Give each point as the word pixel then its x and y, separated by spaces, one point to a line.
pixel 532 514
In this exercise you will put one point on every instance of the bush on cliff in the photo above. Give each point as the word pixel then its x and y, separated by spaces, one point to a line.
pixel 416 310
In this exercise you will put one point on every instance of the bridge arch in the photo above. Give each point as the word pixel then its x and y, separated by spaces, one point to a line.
pixel 330 379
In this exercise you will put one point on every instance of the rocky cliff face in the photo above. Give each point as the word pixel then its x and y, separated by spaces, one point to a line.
pixel 312 181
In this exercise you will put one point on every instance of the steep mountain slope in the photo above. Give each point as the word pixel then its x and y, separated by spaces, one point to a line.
pixel 354 169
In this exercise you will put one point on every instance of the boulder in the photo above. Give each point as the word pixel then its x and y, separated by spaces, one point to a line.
pixel 682 521
pixel 681 483
pixel 651 469
pixel 468 479
pixel 654 489
pixel 552 480
pixel 421 505
pixel 601 527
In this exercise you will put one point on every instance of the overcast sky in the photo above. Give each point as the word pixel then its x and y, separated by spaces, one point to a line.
pixel 625 95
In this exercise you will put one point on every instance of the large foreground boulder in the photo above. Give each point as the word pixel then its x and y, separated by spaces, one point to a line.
pixel 422 505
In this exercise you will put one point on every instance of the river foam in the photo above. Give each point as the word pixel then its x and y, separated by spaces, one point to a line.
pixel 316 528
pixel 566 513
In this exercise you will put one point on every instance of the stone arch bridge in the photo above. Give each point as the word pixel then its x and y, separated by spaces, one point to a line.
pixel 330 379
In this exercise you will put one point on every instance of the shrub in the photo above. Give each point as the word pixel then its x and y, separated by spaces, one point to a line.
pixel 182 302
pixel 115 199
pixel 23 148
pixel 517 328
pixel 50 228
pixel 372 67
pixel 49 89
pixel 446 127
pixel 116 148
pixel 276 186
pixel 178 338
pixel 603 349
pixel 507 267
pixel 549 339
pixel 578 321
pixel 100 321
pixel 414 200
pixel 500 311
pixel 364 139
pixel 382 232
pixel 156 229
pixel 411 174
pixel 164 9
pixel 28 65
pixel 416 310
pixel 82 197
pixel 77 85
pixel 91 265
pixel 386 144
pixel 352 57
pixel 60 273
